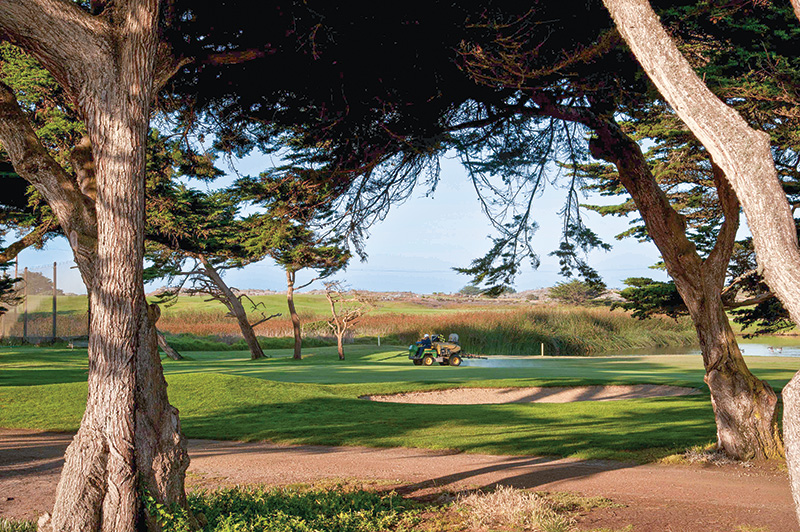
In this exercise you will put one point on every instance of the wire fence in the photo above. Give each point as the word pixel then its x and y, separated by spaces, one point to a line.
pixel 44 313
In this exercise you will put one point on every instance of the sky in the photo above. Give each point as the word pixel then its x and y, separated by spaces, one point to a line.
pixel 420 242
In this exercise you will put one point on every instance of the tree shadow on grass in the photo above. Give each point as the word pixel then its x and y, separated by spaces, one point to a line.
pixel 633 430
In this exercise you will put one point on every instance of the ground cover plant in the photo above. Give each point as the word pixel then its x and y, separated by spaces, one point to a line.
pixel 224 395
pixel 345 508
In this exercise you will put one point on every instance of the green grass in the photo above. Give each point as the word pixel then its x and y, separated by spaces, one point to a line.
pixel 9 525
pixel 349 508
pixel 315 401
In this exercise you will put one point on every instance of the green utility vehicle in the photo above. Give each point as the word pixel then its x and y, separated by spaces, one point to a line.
pixel 445 353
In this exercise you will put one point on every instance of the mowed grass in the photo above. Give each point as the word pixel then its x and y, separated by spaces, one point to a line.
pixel 315 401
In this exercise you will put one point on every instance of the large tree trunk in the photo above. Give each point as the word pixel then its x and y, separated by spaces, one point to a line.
pixel 236 308
pixel 298 337
pixel 744 406
pixel 129 441
pixel 746 160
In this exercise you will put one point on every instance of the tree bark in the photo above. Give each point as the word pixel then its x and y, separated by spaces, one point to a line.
pixel 129 440
pixel 744 406
pixel 745 158
pixel 236 308
pixel 340 345
pixel 298 338
pixel 741 152
pixel 170 351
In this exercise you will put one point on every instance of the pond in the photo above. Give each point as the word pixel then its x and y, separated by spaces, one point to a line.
pixel 762 347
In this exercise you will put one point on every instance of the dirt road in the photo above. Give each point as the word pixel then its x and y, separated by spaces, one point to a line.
pixel 655 498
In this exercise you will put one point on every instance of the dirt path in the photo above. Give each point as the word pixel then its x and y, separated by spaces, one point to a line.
pixel 655 498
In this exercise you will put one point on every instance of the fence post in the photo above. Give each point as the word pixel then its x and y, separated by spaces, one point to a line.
pixel 55 300
pixel 16 287
pixel 25 306
pixel 542 344
pixel 379 340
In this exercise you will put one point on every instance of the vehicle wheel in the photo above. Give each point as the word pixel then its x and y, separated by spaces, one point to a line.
pixel 455 360
pixel 417 361
pixel 427 360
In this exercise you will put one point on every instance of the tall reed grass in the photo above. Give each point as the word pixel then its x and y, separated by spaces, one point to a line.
pixel 562 330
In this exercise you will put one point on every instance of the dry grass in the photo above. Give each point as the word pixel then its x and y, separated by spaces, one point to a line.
pixel 516 331
pixel 514 509
pixel 697 455
pixel 562 330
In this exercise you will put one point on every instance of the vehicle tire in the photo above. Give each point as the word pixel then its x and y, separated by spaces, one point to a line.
pixel 455 360
pixel 427 360
pixel 417 361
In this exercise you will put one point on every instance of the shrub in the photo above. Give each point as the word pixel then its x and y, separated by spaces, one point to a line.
pixel 576 292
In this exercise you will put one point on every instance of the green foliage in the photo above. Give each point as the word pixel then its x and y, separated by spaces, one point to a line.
pixel 299 510
pixel 646 298
pixel 171 518
pixel 294 226
pixel 8 293
pixel 9 525
pixel 470 290
pixel 51 113
pixel 576 292
pixel 767 317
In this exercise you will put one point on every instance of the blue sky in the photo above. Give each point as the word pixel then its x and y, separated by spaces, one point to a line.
pixel 415 248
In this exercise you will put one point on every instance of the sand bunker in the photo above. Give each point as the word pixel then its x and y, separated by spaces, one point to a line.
pixel 556 394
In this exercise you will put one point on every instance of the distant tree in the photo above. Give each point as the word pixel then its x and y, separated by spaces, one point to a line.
pixel 576 292
pixel 645 297
pixel 9 295
pixel 347 307
pixel 470 290
pixel 295 205
pixel 38 283
pixel 194 237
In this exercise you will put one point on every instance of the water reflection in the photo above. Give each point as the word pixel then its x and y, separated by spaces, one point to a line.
pixel 749 350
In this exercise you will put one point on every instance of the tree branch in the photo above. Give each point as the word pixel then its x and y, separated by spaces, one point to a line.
pixel 69 42
pixel 11 252
pixel 747 302
pixel 717 261
pixel 74 210
pixel 738 280
pixel 265 318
